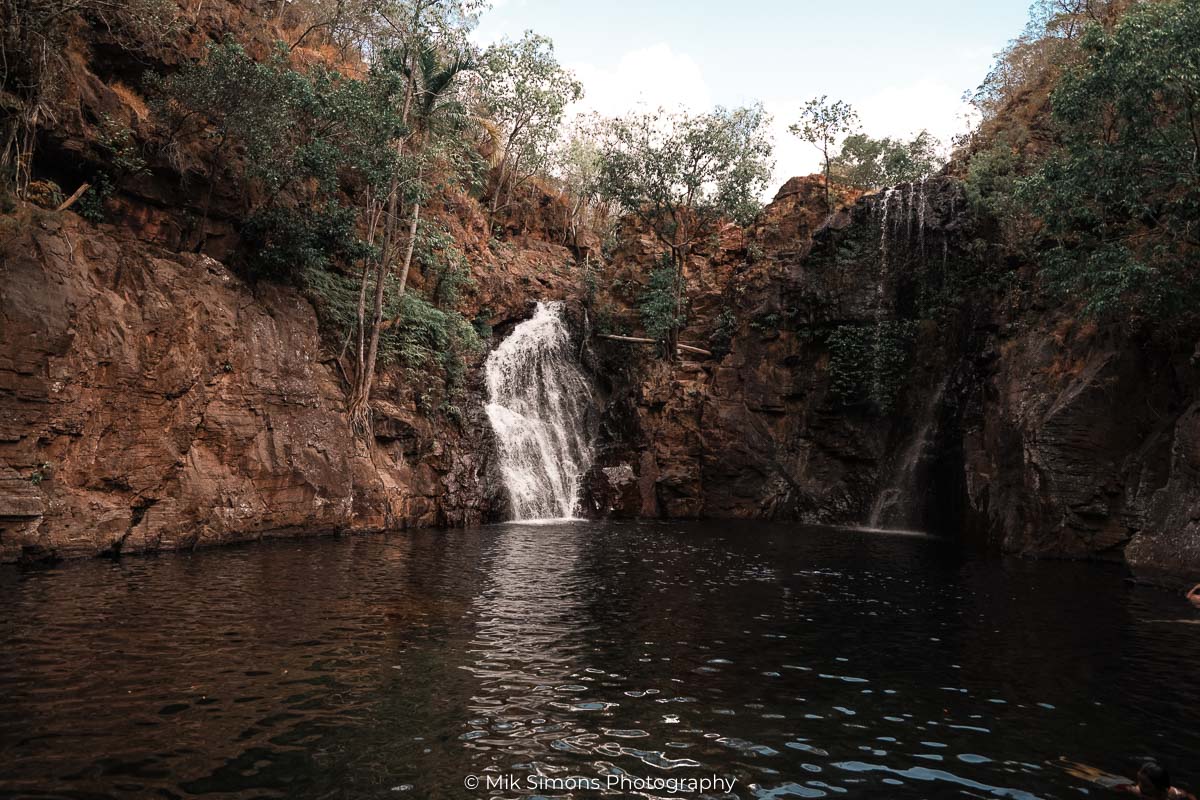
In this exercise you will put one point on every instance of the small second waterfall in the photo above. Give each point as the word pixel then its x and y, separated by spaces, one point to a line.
pixel 894 502
pixel 540 404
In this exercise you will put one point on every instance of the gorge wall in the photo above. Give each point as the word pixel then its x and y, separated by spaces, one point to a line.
pixel 888 363
pixel 151 399
pixel 1013 423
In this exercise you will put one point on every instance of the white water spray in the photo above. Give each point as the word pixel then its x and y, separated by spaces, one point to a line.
pixel 539 406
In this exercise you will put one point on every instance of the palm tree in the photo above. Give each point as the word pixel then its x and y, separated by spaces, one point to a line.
pixel 436 112
pixel 430 111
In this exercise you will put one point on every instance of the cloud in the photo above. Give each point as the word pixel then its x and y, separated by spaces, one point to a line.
pixel 904 110
pixel 899 111
pixel 651 76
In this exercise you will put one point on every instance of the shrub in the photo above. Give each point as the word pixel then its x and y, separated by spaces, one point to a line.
pixel 721 341
pixel 1120 197
pixel 661 315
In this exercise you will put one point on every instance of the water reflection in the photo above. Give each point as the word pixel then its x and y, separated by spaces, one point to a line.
pixel 800 662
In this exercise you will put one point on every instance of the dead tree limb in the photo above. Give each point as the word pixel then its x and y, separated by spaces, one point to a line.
pixel 687 348
pixel 70 201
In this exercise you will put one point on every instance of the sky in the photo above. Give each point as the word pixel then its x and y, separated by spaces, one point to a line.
pixel 903 66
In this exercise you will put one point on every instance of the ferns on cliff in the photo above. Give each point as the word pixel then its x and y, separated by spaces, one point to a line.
pixel 868 364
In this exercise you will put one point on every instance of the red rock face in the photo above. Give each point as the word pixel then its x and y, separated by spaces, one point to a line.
pixel 1047 438
pixel 151 400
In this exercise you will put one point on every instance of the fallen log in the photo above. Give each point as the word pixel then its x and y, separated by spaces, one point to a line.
pixel 70 201
pixel 633 339
pixel 687 348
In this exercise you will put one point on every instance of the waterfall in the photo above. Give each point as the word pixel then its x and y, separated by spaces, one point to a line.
pixel 921 219
pixel 897 494
pixel 880 290
pixel 539 405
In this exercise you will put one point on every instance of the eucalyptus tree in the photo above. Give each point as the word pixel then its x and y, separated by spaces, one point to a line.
pixel 1119 198
pixel 681 175
pixel 822 124
pixel 576 162
pixel 524 93
pixel 870 163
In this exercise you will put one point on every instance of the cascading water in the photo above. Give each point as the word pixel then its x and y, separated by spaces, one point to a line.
pixel 894 502
pixel 895 499
pixel 540 405
pixel 880 290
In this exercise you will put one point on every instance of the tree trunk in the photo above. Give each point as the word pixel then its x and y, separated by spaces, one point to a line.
pixel 412 239
pixel 828 193
pixel 495 204
pixel 679 256
pixel 359 404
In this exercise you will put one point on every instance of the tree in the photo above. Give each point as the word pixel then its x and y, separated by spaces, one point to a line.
pixel 680 175
pixel 524 93
pixel 1035 59
pixel 338 168
pixel 821 124
pixel 229 101
pixel 429 53
pixel 869 163
pixel 1120 198
pixel 576 163
pixel 368 27
pixel 437 116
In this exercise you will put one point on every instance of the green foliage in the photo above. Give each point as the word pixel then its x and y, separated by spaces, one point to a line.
pixel 427 337
pixel 287 135
pixel 123 152
pixel 868 364
pixel 231 100
pixel 424 338
pixel 661 314
pixel 821 124
pixel 286 241
pixel 869 163
pixel 1032 61
pixel 767 323
pixel 483 326
pixel 524 94
pixel 680 175
pixel 1120 198
pixel 41 474
pixel 992 177
pixel 721 340
pixel 123 158
pixel 575 166
pixel 91 203
pixel 445 265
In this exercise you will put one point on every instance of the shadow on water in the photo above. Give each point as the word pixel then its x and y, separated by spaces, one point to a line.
pixel 800 662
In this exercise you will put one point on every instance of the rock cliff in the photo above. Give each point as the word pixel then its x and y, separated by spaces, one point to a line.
pixel 886 365
pixel 1011 424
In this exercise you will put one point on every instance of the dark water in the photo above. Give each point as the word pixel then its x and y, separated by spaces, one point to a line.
pixel 803 663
